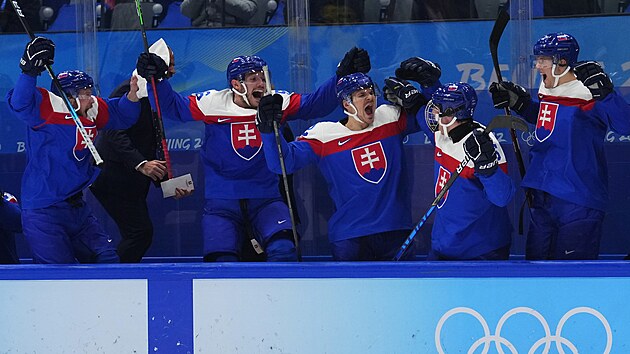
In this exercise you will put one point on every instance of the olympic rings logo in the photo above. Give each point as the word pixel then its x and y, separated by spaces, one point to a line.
pixel 528 138
pixel 499 341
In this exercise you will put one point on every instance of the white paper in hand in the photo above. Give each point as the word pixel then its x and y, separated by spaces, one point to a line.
pixel 181 182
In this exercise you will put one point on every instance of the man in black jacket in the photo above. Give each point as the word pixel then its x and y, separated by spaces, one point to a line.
pixel 130 165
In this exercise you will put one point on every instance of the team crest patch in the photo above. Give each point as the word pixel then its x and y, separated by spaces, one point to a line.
pixel 370 162
pixel 80 150
pixel 246 140
pixel 546 120
pixel 443 176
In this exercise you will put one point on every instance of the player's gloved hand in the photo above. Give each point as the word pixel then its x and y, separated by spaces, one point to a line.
pixel 151 65
pixel 422 71
pixel 404 94
pixel 594 78
pixel 38 53
pixel 480 148
pixel 355 60
pixel 269 111
pixel 508 94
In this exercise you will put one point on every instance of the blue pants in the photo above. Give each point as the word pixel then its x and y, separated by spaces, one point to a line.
pixel 559 229
pixel 382 246
pixel 226 223
pixel 67 233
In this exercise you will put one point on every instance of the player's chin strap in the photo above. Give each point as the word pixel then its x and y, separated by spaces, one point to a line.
pixel 557 77
pixel 78 101
pixel 353 115
pixel 444 129
pixel 244 94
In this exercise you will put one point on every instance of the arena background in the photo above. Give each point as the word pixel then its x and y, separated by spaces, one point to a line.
pixel 309 308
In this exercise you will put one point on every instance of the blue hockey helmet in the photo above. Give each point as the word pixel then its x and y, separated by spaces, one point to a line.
pixel 242 65
pixel 72 81
pixel 348 84
pixel 558 46
pixel 455 100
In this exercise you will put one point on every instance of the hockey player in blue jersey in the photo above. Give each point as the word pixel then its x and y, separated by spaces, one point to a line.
pixel 10 224
pixel 242 195
pixel 471 221
pixel 567 174
pixel 361 159
pixel 57 224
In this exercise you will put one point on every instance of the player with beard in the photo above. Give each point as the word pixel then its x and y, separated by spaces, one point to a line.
pixel 57 223
pixel 242 195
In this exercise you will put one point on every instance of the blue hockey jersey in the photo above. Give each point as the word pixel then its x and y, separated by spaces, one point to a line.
pixel 232 155
pixel 567 159
pixel 59 163
pixel 471 219
pixel 365 171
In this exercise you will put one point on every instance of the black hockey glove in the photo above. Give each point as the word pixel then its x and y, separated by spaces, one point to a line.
pixel 151 65
pixel 508 94
pixel 38 53
pixel 404 94
pixel 480 148
pixel 269 110
pixel 422 71
pixel 355 60
pixel 594 78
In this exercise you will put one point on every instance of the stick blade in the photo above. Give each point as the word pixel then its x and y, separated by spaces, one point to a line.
pixel 507 121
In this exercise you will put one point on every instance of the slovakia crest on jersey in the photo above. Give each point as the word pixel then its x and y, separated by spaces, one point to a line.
pixel 443 176
pixel 246 140
pixel 546 120
pixel 80 150
pixel 370 162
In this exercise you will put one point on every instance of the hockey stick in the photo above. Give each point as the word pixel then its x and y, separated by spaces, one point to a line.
pixel 503 121
pixel 88 141
pixel 285 180
pixel 497 31
pixel 158 123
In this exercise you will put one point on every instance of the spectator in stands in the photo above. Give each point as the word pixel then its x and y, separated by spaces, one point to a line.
pixel 210 13
pixel 10 223
pixel 567 175
pixel 9 22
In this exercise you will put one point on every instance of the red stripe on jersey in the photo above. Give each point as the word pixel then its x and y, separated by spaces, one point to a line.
pixel 585 105
pixel 349 142
pixel 197 114
pixel 293 107
pixel 58 118
pixel 450 163
pixel 102 116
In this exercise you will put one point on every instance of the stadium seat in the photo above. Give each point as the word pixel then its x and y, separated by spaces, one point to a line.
pixel 174 17
pixel 66 19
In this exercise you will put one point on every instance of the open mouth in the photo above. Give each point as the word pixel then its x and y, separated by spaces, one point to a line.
pixel 544 76
pixel 369 109
pixel 257 94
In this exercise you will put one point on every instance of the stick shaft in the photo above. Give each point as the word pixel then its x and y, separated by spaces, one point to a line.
pixel 285 179
pixel 158 121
